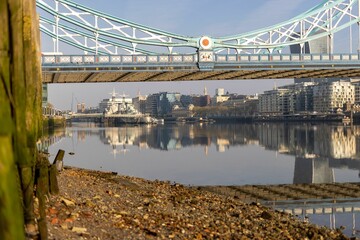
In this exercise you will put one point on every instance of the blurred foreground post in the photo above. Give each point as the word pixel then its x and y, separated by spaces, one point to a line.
pixel 20 115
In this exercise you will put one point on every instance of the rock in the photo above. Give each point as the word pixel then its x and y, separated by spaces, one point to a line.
pixel 150 232
pixel 53 211
pixel 97 197
pixel 74 215
pixel 123 213
pixel 266 215
pixel 69 220
pixel 68 202
pixel 64 225
pixel 79 230
pixel 146 202
pixel 31 229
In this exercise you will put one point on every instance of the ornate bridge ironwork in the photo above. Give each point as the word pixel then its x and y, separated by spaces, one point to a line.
pixel 115 49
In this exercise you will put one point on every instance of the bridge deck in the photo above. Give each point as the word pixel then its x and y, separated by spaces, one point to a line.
pixel 77 69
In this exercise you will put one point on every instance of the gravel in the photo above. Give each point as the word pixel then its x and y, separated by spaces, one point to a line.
pixel 103 205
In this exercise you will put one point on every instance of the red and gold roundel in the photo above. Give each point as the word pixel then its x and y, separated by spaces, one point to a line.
pixel 205 42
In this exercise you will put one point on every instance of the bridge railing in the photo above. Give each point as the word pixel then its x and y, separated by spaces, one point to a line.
pixel 285 57
pixel 118 59
pixel 193 58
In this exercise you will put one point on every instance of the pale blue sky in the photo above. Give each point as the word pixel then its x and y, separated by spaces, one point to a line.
pixel 191 18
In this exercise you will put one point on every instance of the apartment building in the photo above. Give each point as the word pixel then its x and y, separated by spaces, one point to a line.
pixel 274 102
pixel 331 96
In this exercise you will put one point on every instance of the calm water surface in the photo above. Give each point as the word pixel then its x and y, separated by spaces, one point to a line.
pixel 220 154
pixel 217 154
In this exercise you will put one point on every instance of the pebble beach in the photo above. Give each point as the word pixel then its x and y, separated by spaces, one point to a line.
pixel 105 205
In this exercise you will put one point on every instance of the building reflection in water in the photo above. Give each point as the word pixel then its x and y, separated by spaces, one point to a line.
pixel 318 149
pixel 47 141
pixel 313 170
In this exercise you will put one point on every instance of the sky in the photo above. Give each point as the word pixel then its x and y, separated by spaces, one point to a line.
pixel 185 17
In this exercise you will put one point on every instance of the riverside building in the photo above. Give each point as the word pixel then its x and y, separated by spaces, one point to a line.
pixel 219 97
pixel 323 96
pixel 356 83
pixel 140 103
pixel 301 98
pixel 274 102
pixel 332 96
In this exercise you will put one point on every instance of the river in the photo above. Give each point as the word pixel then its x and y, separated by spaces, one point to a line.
pixel 221 154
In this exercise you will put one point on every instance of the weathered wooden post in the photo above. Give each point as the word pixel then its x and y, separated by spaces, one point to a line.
pixel 20 114
pixel 42 189
pixel 10 209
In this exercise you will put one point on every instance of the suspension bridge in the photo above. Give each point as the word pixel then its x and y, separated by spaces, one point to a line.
pixel 117 50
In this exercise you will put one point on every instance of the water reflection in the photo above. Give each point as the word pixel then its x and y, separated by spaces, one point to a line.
pixel 304 141
pixel 329 213
pixel 317 148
